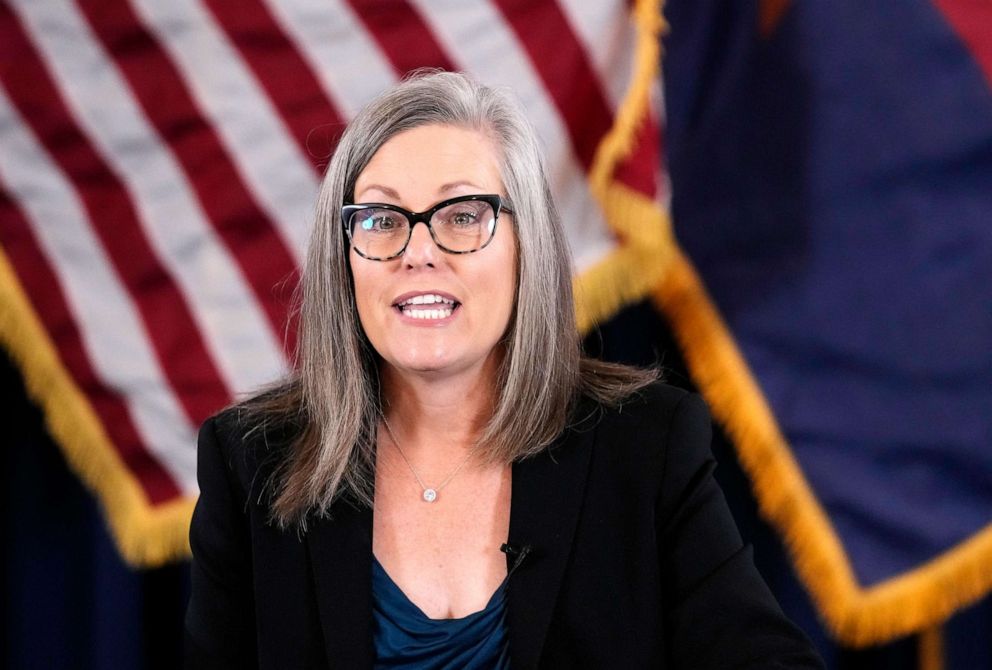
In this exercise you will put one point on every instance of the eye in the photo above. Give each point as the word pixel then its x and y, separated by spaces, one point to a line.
pixel 464 218
pixel 379 222
pixel 462 215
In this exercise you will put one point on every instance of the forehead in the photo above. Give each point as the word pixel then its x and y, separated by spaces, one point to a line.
pixel 432 161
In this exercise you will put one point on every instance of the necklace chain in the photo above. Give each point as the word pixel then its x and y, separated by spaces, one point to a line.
pixel 430 493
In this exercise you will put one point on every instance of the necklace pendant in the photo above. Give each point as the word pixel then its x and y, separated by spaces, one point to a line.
pixel 430 495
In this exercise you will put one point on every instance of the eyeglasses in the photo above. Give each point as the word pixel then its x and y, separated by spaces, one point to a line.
pixel 459 225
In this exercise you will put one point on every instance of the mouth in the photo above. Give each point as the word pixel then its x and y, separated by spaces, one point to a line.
pixel 426 306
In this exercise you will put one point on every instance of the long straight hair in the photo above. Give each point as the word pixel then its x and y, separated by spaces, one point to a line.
pixel 333 394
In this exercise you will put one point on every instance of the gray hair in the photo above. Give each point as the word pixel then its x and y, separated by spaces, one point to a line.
pixel 335 390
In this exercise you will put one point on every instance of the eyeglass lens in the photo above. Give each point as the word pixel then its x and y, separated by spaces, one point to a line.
pixel 460 227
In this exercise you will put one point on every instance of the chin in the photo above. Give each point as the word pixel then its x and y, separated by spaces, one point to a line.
pixel 435 361
pixel 422 364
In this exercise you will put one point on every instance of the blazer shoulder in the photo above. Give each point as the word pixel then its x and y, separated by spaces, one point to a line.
pixel 643 426
pixel 250 447
pixel 658 395
pixel 653 406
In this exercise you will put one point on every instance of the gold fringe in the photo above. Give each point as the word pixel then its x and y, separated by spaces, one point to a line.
pixel 145 536
pixel 642 227
pixel 931 649
pixel 632 270
pixel 633 110
pixel 908 603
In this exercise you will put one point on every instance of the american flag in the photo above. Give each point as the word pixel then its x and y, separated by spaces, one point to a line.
pixel 158 165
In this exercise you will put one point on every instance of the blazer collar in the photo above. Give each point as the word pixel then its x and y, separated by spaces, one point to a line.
pixel 546 498
pixel 340 548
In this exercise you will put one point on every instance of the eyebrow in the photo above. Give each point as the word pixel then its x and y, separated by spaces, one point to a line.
pixel 392 193
pixel 455 184
pixel 385 190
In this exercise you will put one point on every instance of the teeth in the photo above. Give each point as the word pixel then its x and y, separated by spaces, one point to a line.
pixel 426 299
pixel 428 313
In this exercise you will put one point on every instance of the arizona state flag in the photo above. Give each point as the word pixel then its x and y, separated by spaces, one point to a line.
pixel 831 169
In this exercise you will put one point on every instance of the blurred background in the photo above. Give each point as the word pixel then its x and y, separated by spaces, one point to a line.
pixel 785 204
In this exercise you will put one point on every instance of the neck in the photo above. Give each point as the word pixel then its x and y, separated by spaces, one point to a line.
pixel 438 418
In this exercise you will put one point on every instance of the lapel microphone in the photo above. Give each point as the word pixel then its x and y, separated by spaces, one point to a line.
pixel 518 552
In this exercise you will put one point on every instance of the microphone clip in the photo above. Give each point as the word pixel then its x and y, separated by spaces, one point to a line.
pixel 517 551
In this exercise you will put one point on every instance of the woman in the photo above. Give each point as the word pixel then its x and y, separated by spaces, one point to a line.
pixel 445 481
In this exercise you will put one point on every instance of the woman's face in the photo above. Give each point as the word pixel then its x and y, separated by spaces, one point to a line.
pixel 415 170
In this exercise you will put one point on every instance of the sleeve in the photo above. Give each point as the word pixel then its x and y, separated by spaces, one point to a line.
pixel 720 613
pixel 220 629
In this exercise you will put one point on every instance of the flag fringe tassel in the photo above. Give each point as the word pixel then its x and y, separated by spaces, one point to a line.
pixel 643 228
pixel 931 649
pixel 145 536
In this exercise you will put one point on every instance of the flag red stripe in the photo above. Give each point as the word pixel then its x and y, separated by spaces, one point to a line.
pixel 402 34
pixel 159 88
pixel 44 290
pixel 972 21
pixel 170 327
pixel 286 77
pixel 564 67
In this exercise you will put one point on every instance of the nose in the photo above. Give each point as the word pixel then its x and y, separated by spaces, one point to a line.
pixel 421 251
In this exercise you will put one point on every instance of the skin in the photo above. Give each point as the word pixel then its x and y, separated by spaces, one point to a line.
pixel 438 376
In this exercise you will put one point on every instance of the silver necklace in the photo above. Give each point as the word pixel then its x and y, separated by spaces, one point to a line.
pixel 430 493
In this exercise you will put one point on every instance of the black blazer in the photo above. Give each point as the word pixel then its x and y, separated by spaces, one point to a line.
pixel 633 558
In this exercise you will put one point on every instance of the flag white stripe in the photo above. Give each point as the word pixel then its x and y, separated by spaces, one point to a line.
pixel 348 63
pixel 476 37
pixel 662 178
pixel 261 146
pixel 607 33
pixel 236 331
pixel 121 355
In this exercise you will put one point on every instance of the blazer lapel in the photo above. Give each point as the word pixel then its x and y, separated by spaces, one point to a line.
pixel 340 551
pixel 546 500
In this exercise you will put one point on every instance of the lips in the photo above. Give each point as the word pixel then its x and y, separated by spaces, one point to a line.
pixel 426 305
